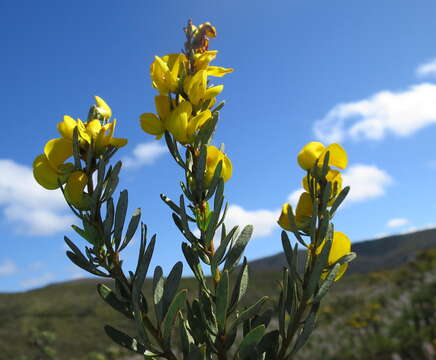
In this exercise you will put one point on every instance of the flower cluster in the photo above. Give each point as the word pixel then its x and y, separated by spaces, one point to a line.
pixel 94 137
pixel 186 98
pixel 322 186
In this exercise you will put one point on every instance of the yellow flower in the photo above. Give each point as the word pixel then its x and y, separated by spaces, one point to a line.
pixel 152 124
pixel 341 246
pixel 74 190
pixel 202 60
pixel 335 178
pixel 102 108
pixel 164 72
pixel 182 125
pixel 303 211
pixel 315 151
pixel 195 87
pixel 213 157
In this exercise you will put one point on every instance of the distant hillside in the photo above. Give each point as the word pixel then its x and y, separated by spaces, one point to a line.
pixel 372 255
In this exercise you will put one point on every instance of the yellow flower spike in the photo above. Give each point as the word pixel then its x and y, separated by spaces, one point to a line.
pixel 66 127
pixel 177 123
pixel 213 157
pixel 218 71
pixel 57 151
pixel 103 108
pixel 44 173
pixel 151 124
pixel 283 220
pixel 304 208
pixel 309 154
pixel 337 156
pixel 74 190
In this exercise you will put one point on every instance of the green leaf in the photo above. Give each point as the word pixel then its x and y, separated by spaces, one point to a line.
pixel 249 312
pixel 158 288
pixel 120 216
pixel 170 317
pixel 250 342
pixel 326 285
pixel 85 265
pixel 128 342
pixel 339 199
pixel 171 285
pixel 241 285
pixel 109 219
pixel 238 248
pixel 76 150
pixel 200 170
pixel 309 326
pixel 194 263
pixel 110 298
pixel 269 344
pixel 131 229
pixel 222 301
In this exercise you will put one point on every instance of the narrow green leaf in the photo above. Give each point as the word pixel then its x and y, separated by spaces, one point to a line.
pixel 175 306
pixel 128 342
pixel 309 326
pixel 249 312
pixel 241 285
pixel 120 217
pixel 222 301
pixel 110 298
pixel 238 248
pixel 131 229
pixel 85 265
pixel 339 199
pixel 250 341
pixel 171 285
pixel 158 288
pixel 326 285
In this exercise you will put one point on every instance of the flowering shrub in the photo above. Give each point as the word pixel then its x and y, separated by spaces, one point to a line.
pixel 213 325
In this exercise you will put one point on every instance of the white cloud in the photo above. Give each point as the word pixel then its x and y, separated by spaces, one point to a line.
pixel 400 113
pixel 38 280
pixel 427 69
pixel 31 209
pixel 295 196
pixel 264 221
pixel 7 267
pixel 144 154
pixel 366 182
pixel 397 222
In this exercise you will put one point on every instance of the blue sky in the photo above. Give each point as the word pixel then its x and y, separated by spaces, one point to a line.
pixel 362 73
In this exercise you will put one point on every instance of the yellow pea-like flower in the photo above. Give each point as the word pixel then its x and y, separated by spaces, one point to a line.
pixel 49 176
pixel 341 246
pixel 74 190
pixel 316 151
pixel 164 72
pixel 103 108
pixel 283 220
pixel 304 209
pixel 202 60
pixel 334 177
pixel 105 138
pixel 66 127
pixel 155 125
pixel 213 157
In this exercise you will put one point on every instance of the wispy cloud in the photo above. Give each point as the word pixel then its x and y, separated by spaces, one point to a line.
pixel 144 154
pixel 31 209
pixel 397 222
pixel 427 69
pixel 366 182
pixel 8 267
pixel 401 113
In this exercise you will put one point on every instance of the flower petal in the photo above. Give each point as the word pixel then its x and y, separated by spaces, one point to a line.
pixel 102 108
pixel 74 190
pixel 304 208
pixel 66 127
pixel 337 156
pixel 118 142
pixel 218 71
pixel 58 150
pixel 309 154
pixel 44 173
